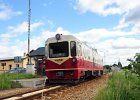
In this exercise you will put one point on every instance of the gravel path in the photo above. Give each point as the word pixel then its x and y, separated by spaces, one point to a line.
pixel 84 91
pixel 5 93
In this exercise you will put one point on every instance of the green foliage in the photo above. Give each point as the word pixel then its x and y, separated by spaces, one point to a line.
pixel 135 64
pixel 107 68
pixel 6 79
pixel 121 86
pixel 137 68
pixel 137 58
pixel 129 67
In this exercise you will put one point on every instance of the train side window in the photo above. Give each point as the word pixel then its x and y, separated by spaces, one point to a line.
pixel 79 52
pixel 46 51
pixel 73 48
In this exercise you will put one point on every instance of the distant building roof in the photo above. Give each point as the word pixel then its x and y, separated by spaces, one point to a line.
pixel 9 58
pixel 38 52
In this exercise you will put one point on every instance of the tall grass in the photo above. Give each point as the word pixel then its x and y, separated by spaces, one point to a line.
pixel 6 79
pixel 121 86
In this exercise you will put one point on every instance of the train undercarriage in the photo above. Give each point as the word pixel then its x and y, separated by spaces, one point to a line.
pixel 87 75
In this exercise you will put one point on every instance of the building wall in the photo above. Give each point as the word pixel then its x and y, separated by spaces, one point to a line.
pixel 24 62
pixel 13 64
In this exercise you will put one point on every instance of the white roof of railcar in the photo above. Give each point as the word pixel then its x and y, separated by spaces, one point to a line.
pixel 67 38
pixel 63 38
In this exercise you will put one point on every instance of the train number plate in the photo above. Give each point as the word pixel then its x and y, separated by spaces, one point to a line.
pixel 60 73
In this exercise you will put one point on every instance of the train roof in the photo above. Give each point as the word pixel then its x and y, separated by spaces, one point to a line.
pixel 67 38
pixel 63 38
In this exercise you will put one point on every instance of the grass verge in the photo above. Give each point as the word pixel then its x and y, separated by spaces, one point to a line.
pixel 6 83
pixel 121 86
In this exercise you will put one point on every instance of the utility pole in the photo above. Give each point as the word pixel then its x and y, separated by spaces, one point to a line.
pixel 29 16
pixel 30 68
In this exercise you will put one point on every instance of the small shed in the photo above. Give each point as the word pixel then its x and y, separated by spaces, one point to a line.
pixel 38 56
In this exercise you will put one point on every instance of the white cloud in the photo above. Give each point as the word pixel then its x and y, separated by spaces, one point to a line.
pixel 5 35
pixel 123 42
pixel 106 7
pixel 19 47
pixel 95 35
pixel 23 27
pixel 115 55
pixel 15 31
pixel 129 10
pixel 6 12
pixel 118 49
pixel 10 51
pixel 131 18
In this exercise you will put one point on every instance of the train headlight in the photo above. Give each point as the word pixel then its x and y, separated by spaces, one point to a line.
pixel 44 62
pixel 74 60
pixel 58 36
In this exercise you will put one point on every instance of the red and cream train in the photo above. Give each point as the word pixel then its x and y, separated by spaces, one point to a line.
pixel 68 60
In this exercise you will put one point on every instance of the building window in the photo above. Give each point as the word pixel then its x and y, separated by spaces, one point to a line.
pixel 3 64
pixel 17 65
pixel 10 67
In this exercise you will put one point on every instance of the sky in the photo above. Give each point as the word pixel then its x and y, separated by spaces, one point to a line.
pixel 111 26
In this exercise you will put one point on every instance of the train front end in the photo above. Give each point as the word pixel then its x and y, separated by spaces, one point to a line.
pixel 61 63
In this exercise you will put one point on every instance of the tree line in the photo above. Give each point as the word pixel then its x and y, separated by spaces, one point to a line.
pixel 133 66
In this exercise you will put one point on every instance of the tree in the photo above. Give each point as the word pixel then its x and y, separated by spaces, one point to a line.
pixel 119 64
pixel 135 63
pixel 108 67
pixel 129 67
pixel 137 57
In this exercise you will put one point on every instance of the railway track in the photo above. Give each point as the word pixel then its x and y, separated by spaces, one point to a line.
pixel 35 94
pixel 48 92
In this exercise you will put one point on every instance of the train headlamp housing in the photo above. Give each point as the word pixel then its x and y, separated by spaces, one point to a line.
pixel 44 62
pixel 58 36
pixel 74 60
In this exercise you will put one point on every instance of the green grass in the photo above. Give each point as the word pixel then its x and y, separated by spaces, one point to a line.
pixel 121 86
pixel 6 80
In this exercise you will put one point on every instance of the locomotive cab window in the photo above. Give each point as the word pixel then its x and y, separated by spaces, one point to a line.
pixel 73 48
pixel 46 51
pixel 59 49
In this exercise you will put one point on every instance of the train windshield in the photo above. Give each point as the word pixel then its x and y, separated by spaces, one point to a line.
pixel 59 49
